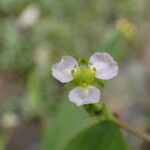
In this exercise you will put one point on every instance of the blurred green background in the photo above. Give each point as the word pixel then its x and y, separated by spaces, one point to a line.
pixel 34 109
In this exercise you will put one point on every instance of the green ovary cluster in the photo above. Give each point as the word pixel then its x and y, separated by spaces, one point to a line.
pixel 84 76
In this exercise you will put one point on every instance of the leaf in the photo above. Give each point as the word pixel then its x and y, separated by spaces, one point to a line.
pixel 101 136
pixel 34 104
pixel 70 121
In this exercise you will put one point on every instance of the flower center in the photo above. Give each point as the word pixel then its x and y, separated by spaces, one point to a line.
pixel 84 76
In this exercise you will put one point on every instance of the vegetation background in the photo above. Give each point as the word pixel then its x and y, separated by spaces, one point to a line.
pixel 35 112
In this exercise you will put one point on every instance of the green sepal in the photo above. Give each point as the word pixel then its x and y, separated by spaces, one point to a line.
pixel 94 109
pixel 98 83
pixel 82 62
pixel 70 85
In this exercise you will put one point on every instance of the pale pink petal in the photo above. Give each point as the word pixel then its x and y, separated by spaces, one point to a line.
pixel 81 96
pixel 62 70
pixel 106 67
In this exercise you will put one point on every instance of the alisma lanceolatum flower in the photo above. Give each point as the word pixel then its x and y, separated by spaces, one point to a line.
pixel 101 66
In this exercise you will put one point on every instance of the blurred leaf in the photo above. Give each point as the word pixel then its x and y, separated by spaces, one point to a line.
pixel 101 136
pixel 69 122
pixel 33 105
pixel 34 88
pixel 3 141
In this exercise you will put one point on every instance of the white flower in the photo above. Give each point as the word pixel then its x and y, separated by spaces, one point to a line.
pixel 101 66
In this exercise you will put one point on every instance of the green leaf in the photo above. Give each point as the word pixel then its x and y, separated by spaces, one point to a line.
pixel 70 121
pixel 101 136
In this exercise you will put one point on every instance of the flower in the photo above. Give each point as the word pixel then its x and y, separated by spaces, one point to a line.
pixel 126 28
pixel 101 66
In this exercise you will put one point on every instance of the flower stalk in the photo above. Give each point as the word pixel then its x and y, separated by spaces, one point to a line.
pixel 103 113
pixel 138 133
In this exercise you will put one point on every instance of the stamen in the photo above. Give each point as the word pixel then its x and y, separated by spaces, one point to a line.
pixel 84 76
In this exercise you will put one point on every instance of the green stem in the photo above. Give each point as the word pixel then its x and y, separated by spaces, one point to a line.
pixel 124 125
pixel 138 133
pixel 102 112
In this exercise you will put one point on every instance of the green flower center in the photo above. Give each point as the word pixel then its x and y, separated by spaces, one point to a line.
pixel 84 76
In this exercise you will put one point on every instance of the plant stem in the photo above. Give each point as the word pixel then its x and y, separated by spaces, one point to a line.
pixel 103 113
pixel 141 134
